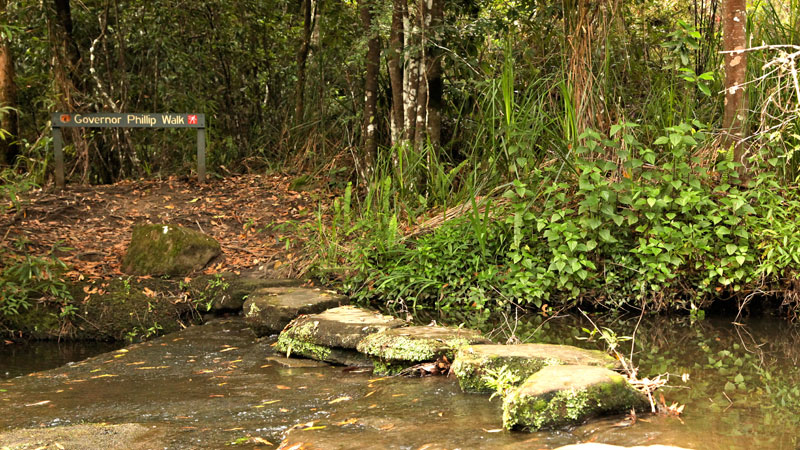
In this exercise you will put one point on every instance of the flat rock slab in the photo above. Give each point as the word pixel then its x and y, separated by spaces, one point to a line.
pixel 332 335
pixel 557 396
pixel 269 310
pixel 397 348
pixel 344 326
pixel 226 292
pixel 333 355
pixel 474 362
pixel 161 249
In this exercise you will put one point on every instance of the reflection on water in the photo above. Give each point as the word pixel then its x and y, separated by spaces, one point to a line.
pixel 213 385
pixel 21 358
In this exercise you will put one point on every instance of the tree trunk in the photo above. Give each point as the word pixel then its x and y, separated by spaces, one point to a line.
pixel 433 58
pixel 422 83
pixel 370 91
pixel 68 78
pixel 410 72
pixel 396 69
pixel 9 120
pixel 735 110
pixel 302 57
pixel 66 39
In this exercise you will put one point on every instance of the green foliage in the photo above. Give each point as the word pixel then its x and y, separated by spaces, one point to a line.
pixel 501 380
pixel 11 186
pixel 650 228
pixel 25 279
pixel 203 299
pixel 143 333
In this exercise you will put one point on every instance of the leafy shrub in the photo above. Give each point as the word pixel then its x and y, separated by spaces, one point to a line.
pixel 25 279
pixel 650 228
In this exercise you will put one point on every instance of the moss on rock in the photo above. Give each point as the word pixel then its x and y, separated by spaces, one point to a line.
pixel 292 346
pixel 557 396
pixel 343 326
pixel 161 249
pixel 472 363
pixel 402 347
pixel 300 338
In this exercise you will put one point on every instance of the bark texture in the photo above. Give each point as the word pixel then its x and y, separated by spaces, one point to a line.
pixel 370 90
pixel 66 38
pixel 9 120
pixel 302 57
pixel 433 57
pixel 396 69
pixel 734 40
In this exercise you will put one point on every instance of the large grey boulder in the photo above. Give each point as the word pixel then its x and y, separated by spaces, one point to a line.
pixel 332 335
pixel 474 362
pixel 162 249
pixel 269 310
pixel 395 349
pixel 564 395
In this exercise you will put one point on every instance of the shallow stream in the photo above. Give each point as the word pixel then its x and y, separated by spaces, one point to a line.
pixel 215 385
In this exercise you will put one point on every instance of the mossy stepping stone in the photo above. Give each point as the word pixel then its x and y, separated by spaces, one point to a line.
pixel 269 310
pixel 332 335
pixel 226 292
pixel 557 396
pixel 343 326
pixel 162 249
pixel 395 349
pixel 474 362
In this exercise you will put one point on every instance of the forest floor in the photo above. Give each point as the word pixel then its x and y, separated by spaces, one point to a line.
pixel 257 220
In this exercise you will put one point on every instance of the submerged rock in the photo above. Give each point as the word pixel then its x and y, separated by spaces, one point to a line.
pixel 593 446
pixel 563 395
pixel 332 335
pixel 161 249
pixel 474 362
pixel 125 436
pixel 269 310
pixel 294 363
pixel 395 349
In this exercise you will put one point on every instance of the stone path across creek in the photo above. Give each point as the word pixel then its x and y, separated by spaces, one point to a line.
pixel 219 384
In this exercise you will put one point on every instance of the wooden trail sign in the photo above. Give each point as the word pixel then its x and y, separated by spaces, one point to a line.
pixel 127 120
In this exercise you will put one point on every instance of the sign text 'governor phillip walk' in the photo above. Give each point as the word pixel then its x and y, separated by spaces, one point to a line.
pixel 128 120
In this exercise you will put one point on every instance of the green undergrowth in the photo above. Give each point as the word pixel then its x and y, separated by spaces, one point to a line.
pixel 26 279
pixel 654 226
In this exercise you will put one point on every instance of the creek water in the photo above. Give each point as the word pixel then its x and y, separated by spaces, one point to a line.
pixel 215 385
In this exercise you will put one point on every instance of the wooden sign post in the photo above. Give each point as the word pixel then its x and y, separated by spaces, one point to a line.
pixel 127 120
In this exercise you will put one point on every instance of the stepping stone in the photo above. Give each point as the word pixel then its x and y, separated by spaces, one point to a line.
pixel 269 310
pixel 474 362
pixel 398 348
pixel 564 395
pixel 226 292
pixel 332 335
pixel 322 354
